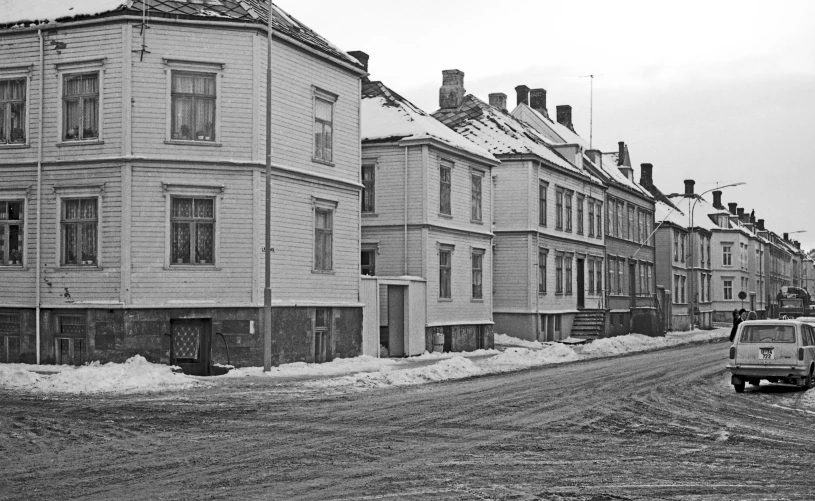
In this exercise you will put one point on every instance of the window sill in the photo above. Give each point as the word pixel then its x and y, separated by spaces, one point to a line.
pixel 370 214
pixel 324 162
pixel 13 267
pixel 14 146
pixel 192 267
pixel 445 216
pixel 80 142
pixel 193 143
pixel 94 267
pixel 324 272
pixel 445 300
pixel 541 293
pixel 476 221
pixel 476 300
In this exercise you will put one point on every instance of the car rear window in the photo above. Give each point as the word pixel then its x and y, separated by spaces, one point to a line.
pixel 768 334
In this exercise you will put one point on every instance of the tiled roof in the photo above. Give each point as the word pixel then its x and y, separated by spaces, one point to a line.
pixel 386 116
pixel 243 11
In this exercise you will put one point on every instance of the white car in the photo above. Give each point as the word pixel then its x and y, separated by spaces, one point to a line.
pixel 775 350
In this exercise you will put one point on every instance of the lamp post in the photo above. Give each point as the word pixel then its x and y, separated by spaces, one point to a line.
pixel 695 294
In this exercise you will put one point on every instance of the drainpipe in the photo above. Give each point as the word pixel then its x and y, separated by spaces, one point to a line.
pixel 406 211
pixel 39 193
pixel 537 275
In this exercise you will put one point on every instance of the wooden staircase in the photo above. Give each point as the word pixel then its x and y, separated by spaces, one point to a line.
pixel 589 324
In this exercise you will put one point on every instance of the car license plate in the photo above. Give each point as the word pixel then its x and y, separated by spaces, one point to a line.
pixel 767 353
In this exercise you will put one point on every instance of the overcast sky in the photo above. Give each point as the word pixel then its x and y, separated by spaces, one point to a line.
pixel 715 91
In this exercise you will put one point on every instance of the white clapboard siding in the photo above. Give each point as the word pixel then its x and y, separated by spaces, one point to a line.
pixel 511 273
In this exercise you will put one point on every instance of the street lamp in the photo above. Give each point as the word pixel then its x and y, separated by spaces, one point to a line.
pixel 695 295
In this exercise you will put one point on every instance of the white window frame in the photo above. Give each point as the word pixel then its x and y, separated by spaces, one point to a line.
pixel 369 246
pixel 84 191
pixel 480 174
pixel 725 281
pixel 440 247
pixel 75 68
pixel 199 191
pixel 481 253
pixel 373 164
pixel 728 254
pixel 18 195
pixel 331 97
pixel 188 65
pixel 17 73
pixel 329 205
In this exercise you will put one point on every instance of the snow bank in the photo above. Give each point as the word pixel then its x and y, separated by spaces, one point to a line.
pixel 456 367
pixel 504 340
pixel 136 375
pixel 522 358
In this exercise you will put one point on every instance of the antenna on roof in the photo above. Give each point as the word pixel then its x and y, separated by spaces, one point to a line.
pixel 144 26
pixel 591 105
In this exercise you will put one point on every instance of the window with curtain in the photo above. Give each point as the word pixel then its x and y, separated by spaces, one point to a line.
pixel 445 268
pixel 79 231
pixel 568 196
pixel 193 106
pixel 12 111
pixel 542 256
pixel 478 268
pixel 591 218
pixel 445 181
pixel 80 107
pixel 368 262
pixel 368 188
pixel 542 187
pixel 580 214
pixel 559 274
pixel 476 197
pixel 11 233
pixel 559 209
pixel 192 223
pixel 323 239
pixel 568 261
pixel 323 129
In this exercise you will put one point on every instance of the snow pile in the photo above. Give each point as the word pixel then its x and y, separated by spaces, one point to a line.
pixel 624 344
pixel 336 367
pixel 12 11
pixel 136 375
pixel 522 358
pixel 505 340
pixel 456 367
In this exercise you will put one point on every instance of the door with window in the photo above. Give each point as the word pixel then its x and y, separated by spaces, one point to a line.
pixel 322 335
pixel 70 347
pixel 191 345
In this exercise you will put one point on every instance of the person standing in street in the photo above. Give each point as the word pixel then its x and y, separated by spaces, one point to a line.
pixel 738 317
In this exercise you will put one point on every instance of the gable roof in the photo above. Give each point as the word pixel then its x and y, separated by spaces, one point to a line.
pixel 387 115
pixel 241 11
pixel 500 133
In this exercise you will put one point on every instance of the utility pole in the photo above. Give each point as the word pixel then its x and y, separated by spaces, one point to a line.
pixel 267 290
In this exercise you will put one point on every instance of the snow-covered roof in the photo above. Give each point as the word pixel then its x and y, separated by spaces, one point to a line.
pixel 502 134
pixel 387 115
pixel 664 212
pixel 561 133
pixel 610 167
pixel 13 12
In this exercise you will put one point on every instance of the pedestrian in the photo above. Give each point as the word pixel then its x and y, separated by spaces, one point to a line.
pixel 752 316
pixel 738 317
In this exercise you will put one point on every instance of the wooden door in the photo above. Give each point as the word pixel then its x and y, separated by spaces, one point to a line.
pixel 191 348
pixel 396 320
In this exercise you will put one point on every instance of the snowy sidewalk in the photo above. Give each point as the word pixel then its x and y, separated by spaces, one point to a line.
pixel 137 375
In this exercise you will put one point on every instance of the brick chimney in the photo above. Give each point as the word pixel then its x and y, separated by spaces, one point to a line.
pixel 564 116
pixel 451 93
pixel 361 57
pixel 786 236
pixel 499 100
pixel 732 207
pixel 537 101
pixel 689 183
pixel 717 200
pixel 753 217
pixel 740 212
pixel 760 224
pixel 647 176
pixel 620 152
pixel 522 91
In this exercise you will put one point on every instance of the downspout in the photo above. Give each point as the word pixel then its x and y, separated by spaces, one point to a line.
pixel 537 251
pixel 406 212
pixel 39 193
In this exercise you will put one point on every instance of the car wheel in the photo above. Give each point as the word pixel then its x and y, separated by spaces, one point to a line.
pixel 739 387
pixel 806 383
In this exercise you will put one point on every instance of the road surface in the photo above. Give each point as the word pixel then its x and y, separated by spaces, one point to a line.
pixel 658 425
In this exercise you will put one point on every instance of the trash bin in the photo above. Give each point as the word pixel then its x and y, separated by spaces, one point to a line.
pixel 438 342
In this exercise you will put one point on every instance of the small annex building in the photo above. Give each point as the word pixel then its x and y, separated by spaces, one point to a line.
pixel 426 213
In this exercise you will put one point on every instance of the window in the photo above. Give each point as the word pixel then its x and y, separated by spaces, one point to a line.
pixel 591 275
pixel 579 214
pixel 542 256
pixel 476 197
pixel 682 241
pixel 367 262
pixel 620 276
pixel 323 129
pixel 542 187
pixel 727 255
pixel 11 233
pixel 322 335
pixel 728 289
pixel 559 274
pixel 79 230
pixel 610 216
pixel 12 111
pixel 445 175
pixel 650 278
pixel 598 274
pixel 568 259
pixel 568 196
pixel 368 188
pixel 676 289
pixel 193 106
pixel 591 218
pixel 80 106
pixel 684 279
pixel 599 229
pixel 630 232
pixel 323 239
pixel 445 265
pixel 478 267
pixel 618 223
pixel 612 274
pixel 192 230
pixel 559 209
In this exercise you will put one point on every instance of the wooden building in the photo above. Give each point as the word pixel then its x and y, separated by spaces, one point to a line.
pixel 548 246
pixel 146 159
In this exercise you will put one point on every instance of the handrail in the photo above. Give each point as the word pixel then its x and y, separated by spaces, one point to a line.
pixel 227 347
